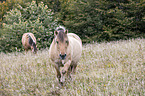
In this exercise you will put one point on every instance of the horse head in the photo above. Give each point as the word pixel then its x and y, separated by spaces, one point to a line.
pixel 62 42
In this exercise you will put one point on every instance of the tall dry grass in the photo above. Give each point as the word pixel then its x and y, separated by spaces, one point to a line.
pixel 105 69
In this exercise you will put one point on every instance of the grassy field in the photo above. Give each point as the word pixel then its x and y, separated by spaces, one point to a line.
pixel 106 69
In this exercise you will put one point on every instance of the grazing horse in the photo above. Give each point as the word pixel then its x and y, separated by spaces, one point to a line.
pixel 29 42
pixel 65 52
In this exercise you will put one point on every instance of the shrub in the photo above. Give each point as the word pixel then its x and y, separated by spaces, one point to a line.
pixel 7 5
pixel 35 19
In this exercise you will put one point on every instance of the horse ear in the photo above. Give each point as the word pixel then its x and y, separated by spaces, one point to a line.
pixel 55 33
pixel 66 31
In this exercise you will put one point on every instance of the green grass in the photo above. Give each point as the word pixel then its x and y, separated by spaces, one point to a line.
pixel 105 69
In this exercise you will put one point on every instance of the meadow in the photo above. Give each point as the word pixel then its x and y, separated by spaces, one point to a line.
pixel 114 68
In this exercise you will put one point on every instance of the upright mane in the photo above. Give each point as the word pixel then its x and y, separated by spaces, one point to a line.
pixel 60 28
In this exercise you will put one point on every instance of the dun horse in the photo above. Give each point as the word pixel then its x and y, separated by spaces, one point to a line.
pixel 29 42
pixel 65 52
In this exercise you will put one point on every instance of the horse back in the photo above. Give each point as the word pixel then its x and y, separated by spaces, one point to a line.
pixel 25 40
pixel 75 36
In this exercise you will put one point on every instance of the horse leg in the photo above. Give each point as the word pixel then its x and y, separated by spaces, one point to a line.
pixel 58 71
pixel 66 66
pixel 26 50
pixel 74 68
pixel 69 72
pixel 66 70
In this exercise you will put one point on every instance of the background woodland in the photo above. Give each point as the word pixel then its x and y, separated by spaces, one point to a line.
pixel 92 20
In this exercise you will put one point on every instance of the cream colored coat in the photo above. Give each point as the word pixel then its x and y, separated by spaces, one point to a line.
pixel 74 49
pixel 73 55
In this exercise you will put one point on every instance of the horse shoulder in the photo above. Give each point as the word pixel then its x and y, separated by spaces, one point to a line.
pixel 76 49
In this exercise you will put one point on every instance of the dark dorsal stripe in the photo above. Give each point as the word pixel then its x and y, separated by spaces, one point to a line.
pixel 61 35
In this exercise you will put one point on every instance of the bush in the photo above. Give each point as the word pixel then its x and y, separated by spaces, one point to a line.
pixel 7 5
pixel 35 19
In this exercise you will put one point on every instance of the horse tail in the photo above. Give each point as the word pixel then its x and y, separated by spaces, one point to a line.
pixel 32 42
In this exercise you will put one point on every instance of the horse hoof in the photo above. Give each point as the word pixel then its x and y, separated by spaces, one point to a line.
pixel 61 83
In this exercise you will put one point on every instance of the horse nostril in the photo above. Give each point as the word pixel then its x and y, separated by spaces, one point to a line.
pixel 62 56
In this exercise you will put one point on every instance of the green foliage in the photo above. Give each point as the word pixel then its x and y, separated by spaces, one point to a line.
pixel 7 5
pixel 35 19
pixel 92 20
pixel 122 19
pixel 81 17
pixel 99 20
pixel 53 4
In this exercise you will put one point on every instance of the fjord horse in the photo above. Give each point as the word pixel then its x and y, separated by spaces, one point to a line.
pixel 29 42
pixel 65 52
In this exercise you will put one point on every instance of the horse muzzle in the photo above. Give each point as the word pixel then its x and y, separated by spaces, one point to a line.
pixel 62 57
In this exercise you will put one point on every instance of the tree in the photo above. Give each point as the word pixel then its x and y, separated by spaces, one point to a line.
pixel 99 20
pixel 81 17
pixel 122 19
